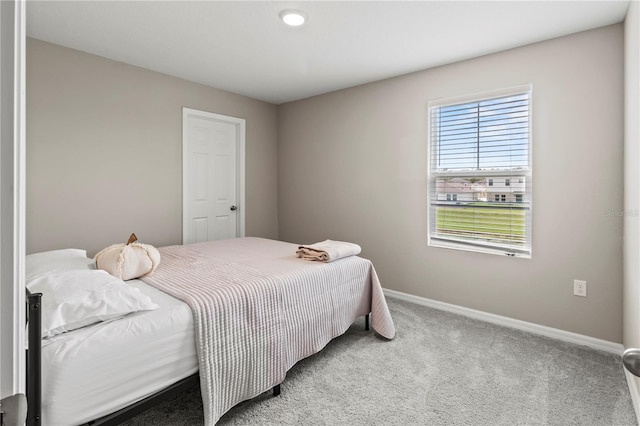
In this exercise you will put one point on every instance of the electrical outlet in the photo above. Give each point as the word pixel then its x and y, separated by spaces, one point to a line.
pixel 579 288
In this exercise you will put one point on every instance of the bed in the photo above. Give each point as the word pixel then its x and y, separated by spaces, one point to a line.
pixel 234 315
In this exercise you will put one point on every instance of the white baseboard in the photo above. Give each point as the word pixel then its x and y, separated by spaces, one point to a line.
pixel 633 390
pixel 554 333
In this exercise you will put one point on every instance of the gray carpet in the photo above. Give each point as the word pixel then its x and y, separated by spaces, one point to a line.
pixel 441 369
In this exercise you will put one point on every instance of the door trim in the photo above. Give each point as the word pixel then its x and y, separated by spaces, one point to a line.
pixel 12 199
pixel 240 124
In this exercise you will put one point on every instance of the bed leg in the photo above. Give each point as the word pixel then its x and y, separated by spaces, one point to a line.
pixel 366 321
pixel 276 390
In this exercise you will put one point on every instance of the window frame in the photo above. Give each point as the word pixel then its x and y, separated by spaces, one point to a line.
pixel 522 174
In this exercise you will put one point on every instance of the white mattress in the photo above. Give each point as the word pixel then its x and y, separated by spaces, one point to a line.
pixel 94 371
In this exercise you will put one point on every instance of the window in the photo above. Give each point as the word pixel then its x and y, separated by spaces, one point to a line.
pixel 480 151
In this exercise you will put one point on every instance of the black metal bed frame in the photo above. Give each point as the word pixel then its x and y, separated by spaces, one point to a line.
pixel 136 408
pixel 34 358
pixel 34 374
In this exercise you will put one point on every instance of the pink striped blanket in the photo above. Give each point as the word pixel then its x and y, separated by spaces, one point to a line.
pixel 258 310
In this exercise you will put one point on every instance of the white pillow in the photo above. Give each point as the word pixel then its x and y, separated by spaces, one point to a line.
pixel 77 298
pixel 56 260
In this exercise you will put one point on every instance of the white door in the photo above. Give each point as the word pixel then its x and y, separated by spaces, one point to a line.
pixel 213 176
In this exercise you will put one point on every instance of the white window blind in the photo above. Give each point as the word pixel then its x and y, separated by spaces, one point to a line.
pixel 480 151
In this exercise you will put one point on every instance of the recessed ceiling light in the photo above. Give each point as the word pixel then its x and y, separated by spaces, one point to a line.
pixel 294 18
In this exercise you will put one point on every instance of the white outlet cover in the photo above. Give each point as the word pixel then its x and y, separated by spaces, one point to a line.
pixel 580 288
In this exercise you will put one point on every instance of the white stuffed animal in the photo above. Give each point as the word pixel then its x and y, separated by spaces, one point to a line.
pixel 130 260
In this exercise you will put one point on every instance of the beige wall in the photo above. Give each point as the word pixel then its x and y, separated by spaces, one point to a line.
pixel 104 153
pixel 353 164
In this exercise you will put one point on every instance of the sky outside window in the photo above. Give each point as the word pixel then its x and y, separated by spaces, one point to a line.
pixel 487 135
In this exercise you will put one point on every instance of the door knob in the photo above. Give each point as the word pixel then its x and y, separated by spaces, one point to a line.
pixel 234 208
pixel 631 360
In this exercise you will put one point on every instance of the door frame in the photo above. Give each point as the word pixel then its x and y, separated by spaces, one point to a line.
pixel 240 124
pixel 12 198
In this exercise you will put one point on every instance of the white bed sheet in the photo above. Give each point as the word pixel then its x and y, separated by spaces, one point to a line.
pixel 94 371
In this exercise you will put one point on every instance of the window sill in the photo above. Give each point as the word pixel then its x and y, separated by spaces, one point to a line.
pixel 476 249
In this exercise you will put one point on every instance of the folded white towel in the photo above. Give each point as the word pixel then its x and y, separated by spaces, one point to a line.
pixel 328 251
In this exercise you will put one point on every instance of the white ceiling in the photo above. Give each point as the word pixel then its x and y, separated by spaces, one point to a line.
pixel 243 47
